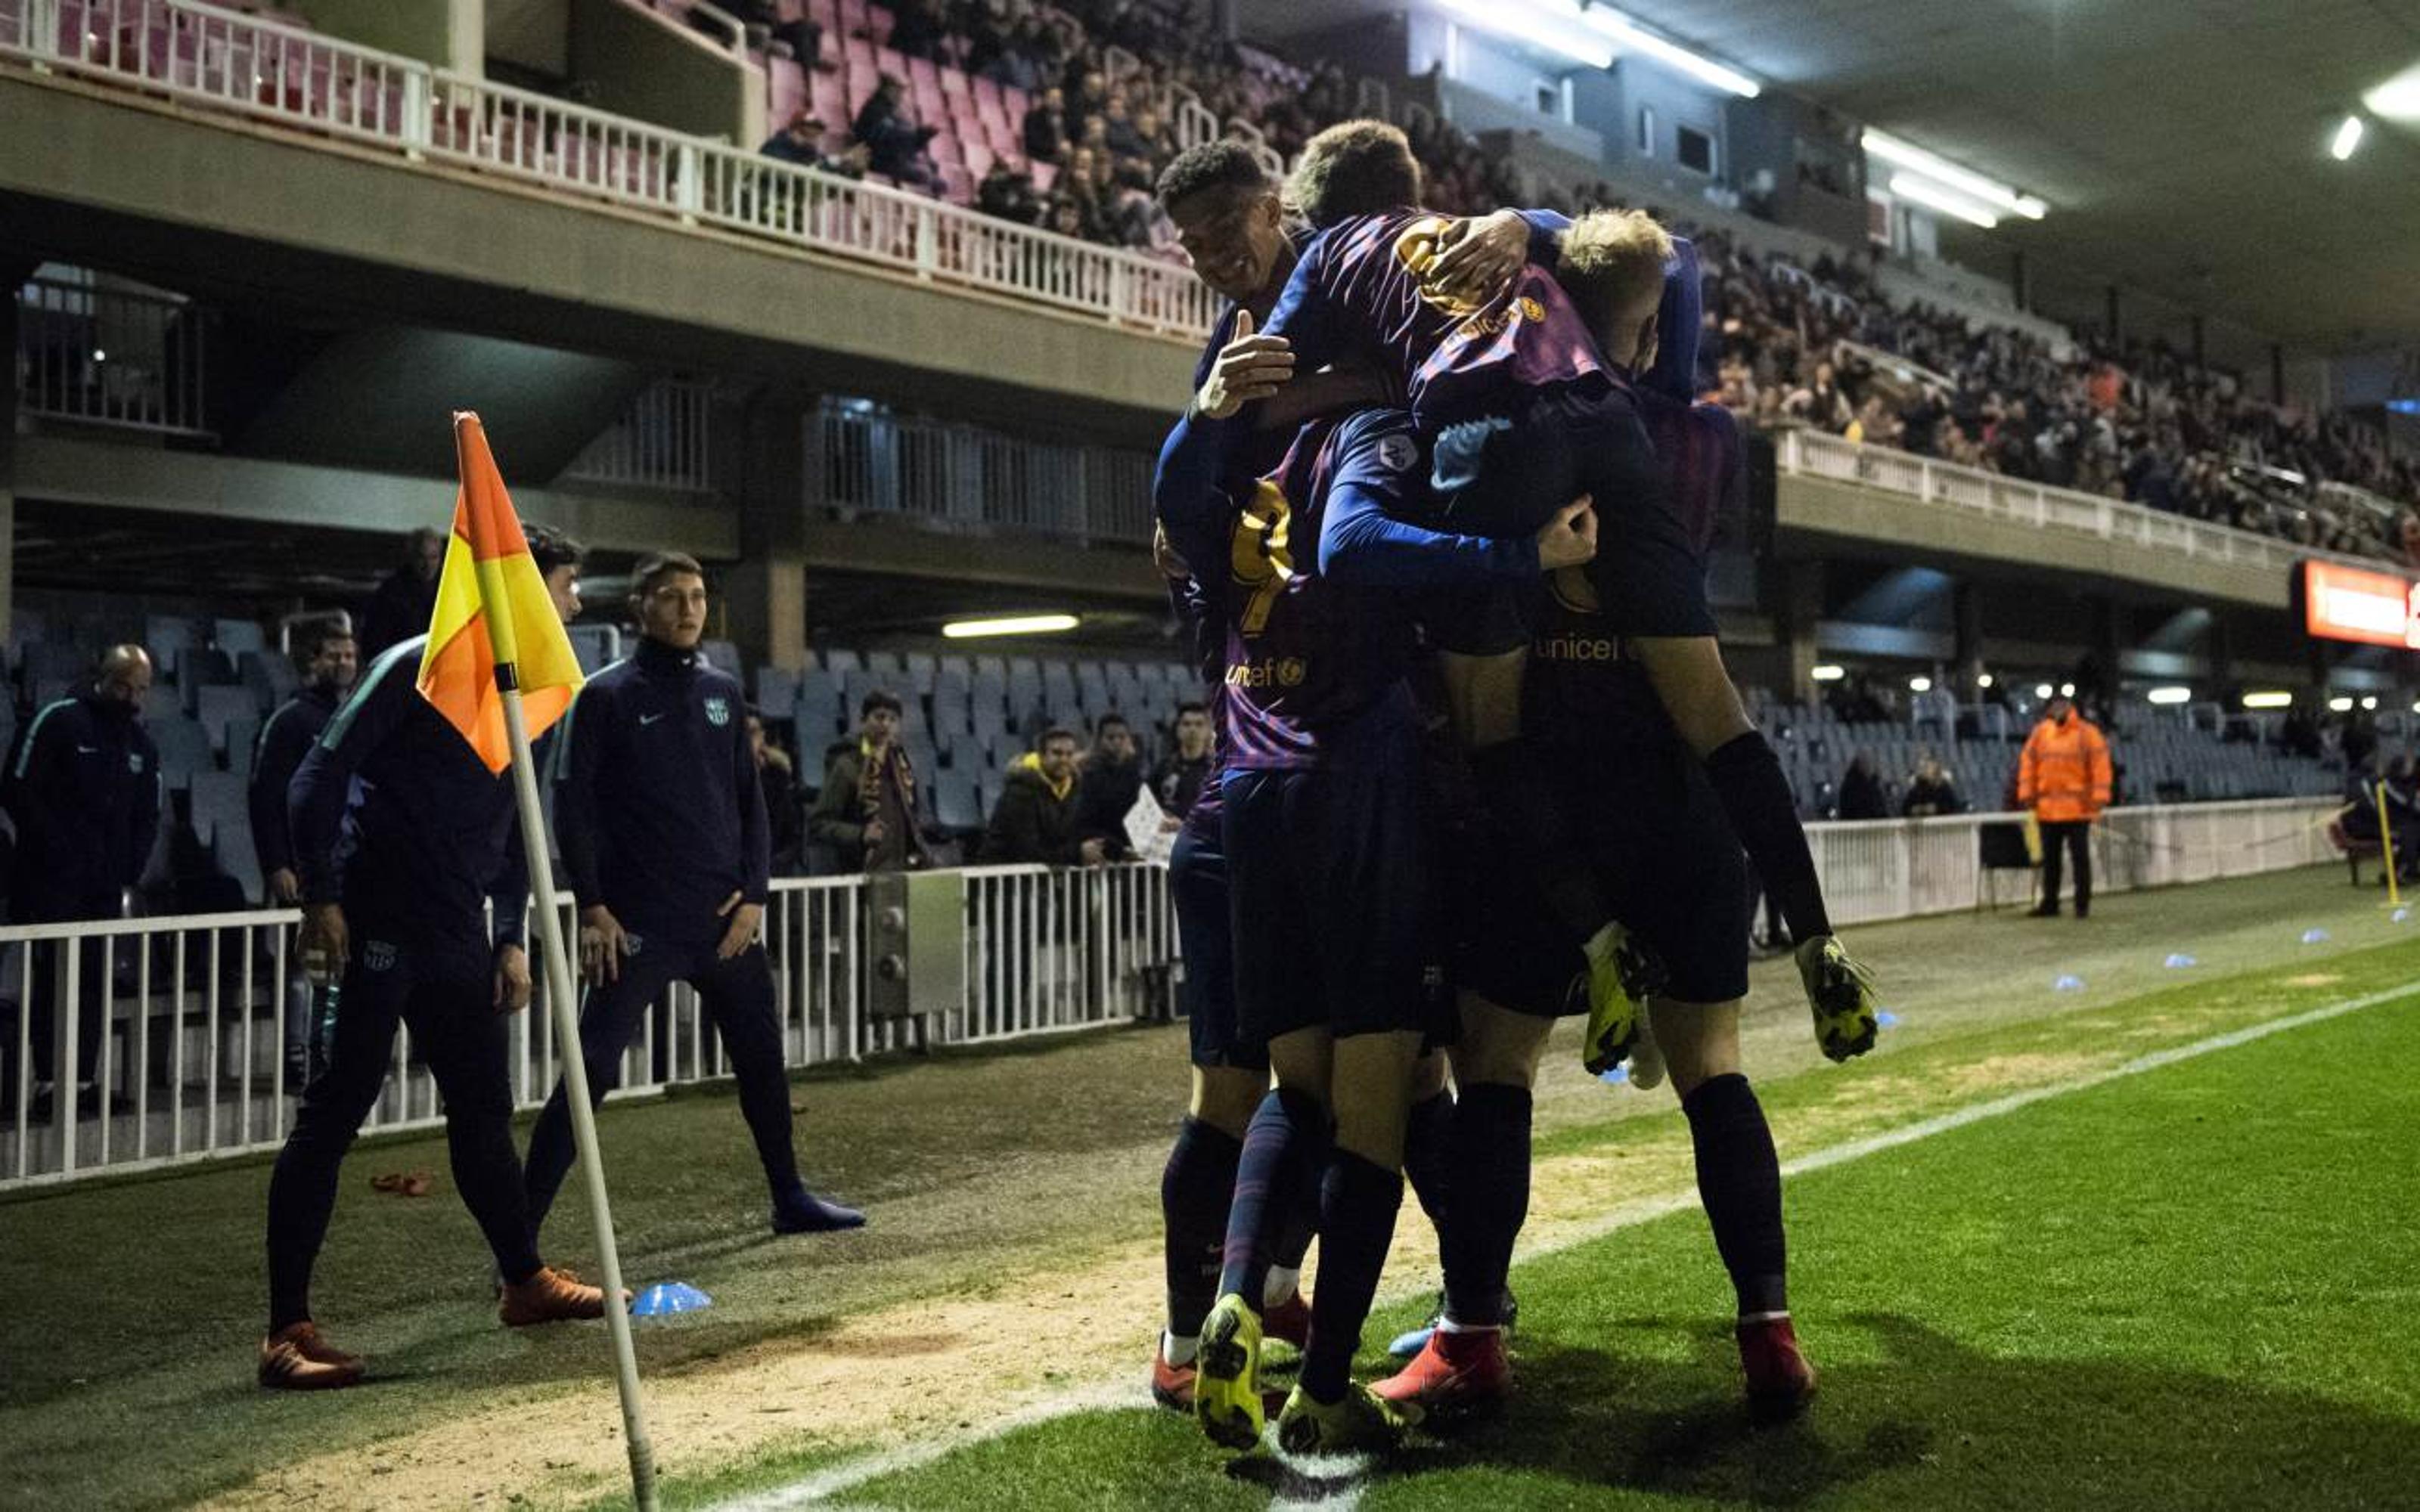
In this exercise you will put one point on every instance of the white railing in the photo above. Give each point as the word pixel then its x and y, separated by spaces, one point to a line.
pixel 1813 454
pixel 191 1056
pixel 661 442
pixel 110 357
pixel 267 70
pixel 865 458
pixel 1905 868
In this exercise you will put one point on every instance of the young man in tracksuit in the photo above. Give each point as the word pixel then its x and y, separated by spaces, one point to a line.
pixel 401 836
pixel 330 663
pixel 661 818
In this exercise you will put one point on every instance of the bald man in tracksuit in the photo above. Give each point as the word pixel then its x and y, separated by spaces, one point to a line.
pixel 661 818
pixel 402 839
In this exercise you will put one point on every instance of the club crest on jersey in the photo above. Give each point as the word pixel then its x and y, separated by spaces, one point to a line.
pixel 379 955
pixel 135 763
pixel 718 710
pixel 632 944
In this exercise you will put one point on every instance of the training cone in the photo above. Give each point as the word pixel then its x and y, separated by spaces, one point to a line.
pixel 2315 936
pixel 1886 1018
pixel 666 1298
pixel 2179 961
pixel 2068 984
pixel 1615 1077
pixel 1404 1345
pixel 2398 916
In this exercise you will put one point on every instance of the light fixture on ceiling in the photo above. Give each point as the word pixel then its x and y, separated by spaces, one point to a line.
pixel 2044 690
pixel 1827 673
pixel 2371 702
pixel 1629 37
pixel 2340 705
pixel 1991 191
pixel 2347 139
pixel 1907 186
pixel 2170 695
pixel 1010 624
pixel 2269 701
pixel 2067 691
pixel 1547 27
pixel 1920 684
pixel 2397 99
pixel 1982 679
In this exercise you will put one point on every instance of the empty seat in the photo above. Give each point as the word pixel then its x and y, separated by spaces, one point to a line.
pixel 184 749
pixel 220 707
pixel 723 657
pixel 777 694
pixel 235 637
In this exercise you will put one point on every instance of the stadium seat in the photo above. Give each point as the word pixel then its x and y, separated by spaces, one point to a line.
pixel 184 749
pixel 777 694
pixel 220 707
pixel 723 657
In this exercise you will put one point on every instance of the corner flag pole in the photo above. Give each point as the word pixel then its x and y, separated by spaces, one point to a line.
pixel 562 1002
pixel 2386 848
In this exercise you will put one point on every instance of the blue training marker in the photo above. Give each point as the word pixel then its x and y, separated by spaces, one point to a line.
pixel 1618 1075
pixel 2315 936
pixel 2398 916
pixel 666 1298
pixel 1404 1345
pixel 1886 1018
pixel 2179 961
pixel 2068 984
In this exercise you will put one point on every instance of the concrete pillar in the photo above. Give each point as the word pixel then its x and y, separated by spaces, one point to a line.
pixel 8 451
pixel 2219 652
pixel 1966 612
pixel 1799 589
pixel 2200 341
pixel 451 34
pixel 762 463
pixel 2108 648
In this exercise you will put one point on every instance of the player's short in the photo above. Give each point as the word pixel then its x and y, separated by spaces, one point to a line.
pixel 1666 861
pixel 1326 879
pixel 1197 883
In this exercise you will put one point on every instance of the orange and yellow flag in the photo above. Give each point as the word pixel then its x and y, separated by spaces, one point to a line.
pixel 492 609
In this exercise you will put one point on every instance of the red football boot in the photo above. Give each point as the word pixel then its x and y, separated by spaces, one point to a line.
pixel 1289 1321
pixel 1779 1380
pixel 1171 1385
pixel 1454 1373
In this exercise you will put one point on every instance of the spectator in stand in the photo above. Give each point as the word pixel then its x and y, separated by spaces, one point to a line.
pixel 406 599
pixel 82 790
pixel 1035 820
pixel 784 827
pixel 1008 193
pixel 1066 217
pixel 2063 776
pixel 802 142
pixel 1078 186
pixel 328 662
pixel 867 809
pixel 895 144
pixel 917 29
pixel 803 37
pixel 1182 773
pixel 1118 132
pixel 1861 792
pixel 1930 794
pixel 1046 132
pixel 1108 782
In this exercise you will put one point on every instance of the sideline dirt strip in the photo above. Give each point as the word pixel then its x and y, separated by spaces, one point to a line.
pixel 824 1486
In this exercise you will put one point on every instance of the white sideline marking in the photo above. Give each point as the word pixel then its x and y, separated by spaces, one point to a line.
pixel 824 1485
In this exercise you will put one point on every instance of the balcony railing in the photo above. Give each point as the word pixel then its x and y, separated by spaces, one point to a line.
pixel 663 440
pixel 1811 454
pixel 110 357
pixel 862 457
pixel 267 70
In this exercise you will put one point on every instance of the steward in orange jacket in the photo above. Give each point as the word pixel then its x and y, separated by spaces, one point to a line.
pixel 2063 776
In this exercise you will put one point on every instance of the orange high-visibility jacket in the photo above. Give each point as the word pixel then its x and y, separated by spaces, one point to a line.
pixel 2064 773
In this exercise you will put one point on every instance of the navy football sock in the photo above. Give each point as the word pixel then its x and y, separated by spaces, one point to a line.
pixel 1747 777
pixel 1194 1192
pixel 1490 1188
pixel 1284 1148
pixel 1518 798
pixel 1428 1155
pixel 1356 1224
pixel 1739 1179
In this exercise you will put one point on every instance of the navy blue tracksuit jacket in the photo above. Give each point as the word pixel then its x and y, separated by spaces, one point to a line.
pixel 657 806
pixel 284 740
pixel 394 816
pixel 84 789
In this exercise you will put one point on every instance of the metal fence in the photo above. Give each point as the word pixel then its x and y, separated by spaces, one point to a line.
pixel 861 456
pixel 110 356
pixel 265 70
pixel 190 1063
pixel 663 440
pixel 1812 454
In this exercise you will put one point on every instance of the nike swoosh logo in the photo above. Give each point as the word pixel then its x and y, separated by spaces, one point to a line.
pixel 645 719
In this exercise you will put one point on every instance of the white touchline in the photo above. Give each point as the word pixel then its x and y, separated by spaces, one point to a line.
pixel 841 1479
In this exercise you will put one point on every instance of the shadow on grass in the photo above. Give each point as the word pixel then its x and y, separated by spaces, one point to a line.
pixel 1933 1424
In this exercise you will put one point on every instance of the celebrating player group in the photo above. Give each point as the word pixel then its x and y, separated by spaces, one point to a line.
pixel 1440 506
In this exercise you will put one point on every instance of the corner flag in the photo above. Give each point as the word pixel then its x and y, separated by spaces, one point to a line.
pixel 492 609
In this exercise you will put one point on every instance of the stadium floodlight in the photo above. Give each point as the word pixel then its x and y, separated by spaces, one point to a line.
pixel 1629 37
pixel 2067 691
pixel 2347 139
pixel 1941 170
pixel 2271 700
pixel 1984 679
pixel 2044 690
pixel 2170 695
pixel 1012 624
pixel 2339 705
pixel 1549 27
pixel 1827 673
pixel 1920 684
pixel 100 356
pixel 1932 196
pixel 2397 99
pixel 2371 702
